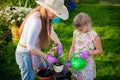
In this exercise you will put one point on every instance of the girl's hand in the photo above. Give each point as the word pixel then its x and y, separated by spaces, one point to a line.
pixel 51 59
pixel 84 55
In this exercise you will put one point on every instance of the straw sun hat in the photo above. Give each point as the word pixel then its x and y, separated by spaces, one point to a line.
pixel 57 7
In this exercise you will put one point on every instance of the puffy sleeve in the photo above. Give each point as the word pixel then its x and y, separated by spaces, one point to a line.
pixel 93 35
pixel 33 33
pixel 75 34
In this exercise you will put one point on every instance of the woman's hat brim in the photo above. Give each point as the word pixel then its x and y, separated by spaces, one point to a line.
pixel 62 12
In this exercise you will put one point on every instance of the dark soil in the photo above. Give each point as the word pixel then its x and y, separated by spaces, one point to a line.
pixel 45 73
pixel 58 64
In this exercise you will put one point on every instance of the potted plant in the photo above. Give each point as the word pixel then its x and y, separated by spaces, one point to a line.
pixel 48 73
pixel 45 74
pixel 58 66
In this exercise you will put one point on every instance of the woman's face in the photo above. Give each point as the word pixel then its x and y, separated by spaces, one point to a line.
pixel 50 15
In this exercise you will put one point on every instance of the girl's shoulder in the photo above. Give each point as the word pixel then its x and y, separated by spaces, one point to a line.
pixel 76 32
pixel 93 34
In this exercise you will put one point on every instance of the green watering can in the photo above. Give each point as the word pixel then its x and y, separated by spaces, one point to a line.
pixel 77 62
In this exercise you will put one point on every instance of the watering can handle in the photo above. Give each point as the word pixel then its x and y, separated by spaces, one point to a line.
pixel 73 55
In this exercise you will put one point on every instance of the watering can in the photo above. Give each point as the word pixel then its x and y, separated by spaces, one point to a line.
pixel 77 62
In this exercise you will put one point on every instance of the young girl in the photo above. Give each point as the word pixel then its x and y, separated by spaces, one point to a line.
pixel 36 32
pixel 87 42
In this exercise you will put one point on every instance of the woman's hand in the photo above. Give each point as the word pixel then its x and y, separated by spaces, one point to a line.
pixel 51 59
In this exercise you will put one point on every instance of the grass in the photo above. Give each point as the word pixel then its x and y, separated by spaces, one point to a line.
pixel 106 21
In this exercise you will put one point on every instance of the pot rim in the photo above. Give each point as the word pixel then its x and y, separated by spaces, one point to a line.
pixel 59 65
pixel 52 76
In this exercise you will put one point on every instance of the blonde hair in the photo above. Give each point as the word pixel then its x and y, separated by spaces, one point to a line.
pixel 45 33
pixel 81 19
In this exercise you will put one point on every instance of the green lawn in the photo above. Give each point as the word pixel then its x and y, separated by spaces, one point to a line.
pixel 106 21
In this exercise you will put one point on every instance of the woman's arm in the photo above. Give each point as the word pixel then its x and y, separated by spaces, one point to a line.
pixel 72 49
pixel 98 46
pixel 54 37
pixel 38 52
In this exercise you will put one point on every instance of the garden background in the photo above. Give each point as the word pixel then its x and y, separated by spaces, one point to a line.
pixel 105 15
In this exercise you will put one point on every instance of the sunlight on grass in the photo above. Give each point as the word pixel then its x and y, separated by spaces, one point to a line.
pixel 105 21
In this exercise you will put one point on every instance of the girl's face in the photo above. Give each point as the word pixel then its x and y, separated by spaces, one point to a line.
pixel 50 15
pixel 83 29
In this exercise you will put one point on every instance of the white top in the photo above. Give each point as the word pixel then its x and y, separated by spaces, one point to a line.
pixel 31 32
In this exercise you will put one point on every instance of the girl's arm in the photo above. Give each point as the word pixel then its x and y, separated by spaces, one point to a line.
pixel 98 46
pixel 72 47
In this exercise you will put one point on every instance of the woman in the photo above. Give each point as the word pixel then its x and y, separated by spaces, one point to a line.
pixel 36 32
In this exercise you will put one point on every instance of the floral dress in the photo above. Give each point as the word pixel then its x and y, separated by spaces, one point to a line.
pixel 84 42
